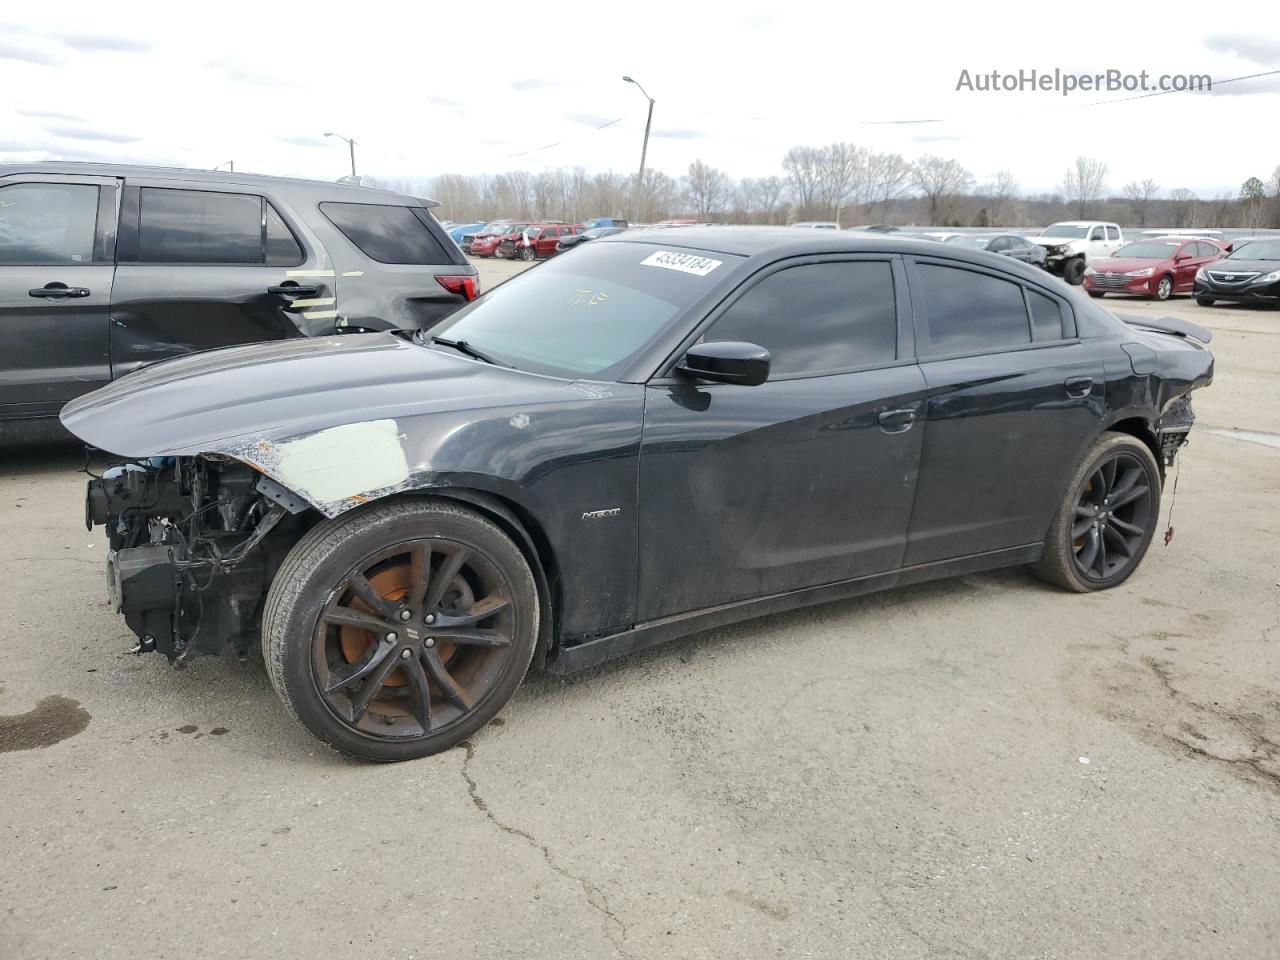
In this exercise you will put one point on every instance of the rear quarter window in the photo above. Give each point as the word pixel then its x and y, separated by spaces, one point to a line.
pixel 971 312
pixel 388 234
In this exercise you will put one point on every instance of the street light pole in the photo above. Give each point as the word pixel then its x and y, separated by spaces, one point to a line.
pixel 351 144
pixel 644 148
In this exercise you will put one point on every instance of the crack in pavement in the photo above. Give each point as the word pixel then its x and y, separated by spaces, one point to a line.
pixel 1263 751
pixel 595 897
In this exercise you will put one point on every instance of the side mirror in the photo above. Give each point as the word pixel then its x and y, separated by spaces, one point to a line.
pixel 727 361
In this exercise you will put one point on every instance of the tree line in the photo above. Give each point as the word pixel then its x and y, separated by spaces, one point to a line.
pixel 841 182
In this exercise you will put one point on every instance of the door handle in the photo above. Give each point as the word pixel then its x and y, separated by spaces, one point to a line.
pixel 897 421
pixel 291 289
pixel 58 291
pixel 1079 387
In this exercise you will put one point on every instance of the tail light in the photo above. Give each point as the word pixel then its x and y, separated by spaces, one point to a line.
pixel 466 287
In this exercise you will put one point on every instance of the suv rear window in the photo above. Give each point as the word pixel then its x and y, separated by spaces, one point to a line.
pixel 47 222
pixel 388 234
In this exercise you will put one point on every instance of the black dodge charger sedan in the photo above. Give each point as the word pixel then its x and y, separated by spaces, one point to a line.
pixel 666 431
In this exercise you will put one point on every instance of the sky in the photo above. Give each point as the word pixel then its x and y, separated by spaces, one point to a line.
pixel 472 88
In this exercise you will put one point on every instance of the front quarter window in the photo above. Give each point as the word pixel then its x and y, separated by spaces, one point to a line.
pixel 587 315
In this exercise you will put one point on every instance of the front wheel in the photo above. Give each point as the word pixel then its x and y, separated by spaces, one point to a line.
pixel 399 630
pixel 1206 301
pixel 527 254
pixel 1105 522
pixel 1164 289
pixel 1097 294
pixel 1073 271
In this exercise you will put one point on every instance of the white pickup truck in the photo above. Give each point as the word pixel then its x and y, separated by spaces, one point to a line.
pixel 1072 245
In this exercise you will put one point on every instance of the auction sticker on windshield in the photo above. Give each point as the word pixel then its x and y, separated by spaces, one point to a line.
pixel 684 262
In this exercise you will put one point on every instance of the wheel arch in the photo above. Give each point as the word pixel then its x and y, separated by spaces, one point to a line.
pixel 1140 425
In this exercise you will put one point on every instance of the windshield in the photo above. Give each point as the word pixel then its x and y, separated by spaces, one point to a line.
pixel 512 228
pixel 1070 231
pixel 589 314
pixel 1149 249
pixel 976 243
pixel 1257 250
pixel 493 228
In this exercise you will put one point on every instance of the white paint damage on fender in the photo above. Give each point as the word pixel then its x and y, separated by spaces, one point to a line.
pixel 337 468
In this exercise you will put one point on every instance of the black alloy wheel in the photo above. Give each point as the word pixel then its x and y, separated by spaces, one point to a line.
pixel 1112 518
pixel 398 630
pixel 1106 518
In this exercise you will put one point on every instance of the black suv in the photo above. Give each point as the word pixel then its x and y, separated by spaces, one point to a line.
pixel 106 268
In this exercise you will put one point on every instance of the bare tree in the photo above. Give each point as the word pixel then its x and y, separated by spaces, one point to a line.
pixel 1183 204
pixel 1140 196
pixel 842 177
pixel 706 189
pixel 657 198
pixel 803 167
pixel 940 180
pixel 888 177
pixel 1004 190
pixel 768 201
pixel 1083 184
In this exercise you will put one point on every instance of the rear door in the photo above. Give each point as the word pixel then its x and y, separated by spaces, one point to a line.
pixel 205 265
pixel 805 479
pixel 57 247
pixel 1013 398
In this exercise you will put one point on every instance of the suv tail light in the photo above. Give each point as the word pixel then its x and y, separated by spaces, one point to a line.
pixel 466 287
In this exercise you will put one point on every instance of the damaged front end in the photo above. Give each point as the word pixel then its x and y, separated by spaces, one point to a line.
pixel 194 543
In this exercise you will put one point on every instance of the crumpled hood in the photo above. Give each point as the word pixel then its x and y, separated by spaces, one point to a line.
pixel 282 389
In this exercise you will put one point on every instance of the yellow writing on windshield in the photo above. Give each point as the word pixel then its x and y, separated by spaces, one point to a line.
pixel 589 297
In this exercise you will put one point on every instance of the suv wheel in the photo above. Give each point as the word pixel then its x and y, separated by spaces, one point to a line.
pixel 399 630
pixel 1073 271
pixel 1105 522
pixel 527 253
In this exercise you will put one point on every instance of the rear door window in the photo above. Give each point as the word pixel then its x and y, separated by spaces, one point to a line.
pixel 388 234
pixel 49 223
pixel 198 226
pixel 817 318
pixel 970 312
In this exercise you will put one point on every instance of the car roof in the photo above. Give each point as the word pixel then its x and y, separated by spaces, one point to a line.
pixel 351 192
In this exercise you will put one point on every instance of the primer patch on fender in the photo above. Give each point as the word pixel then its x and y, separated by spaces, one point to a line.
pixel 684 262
pixel 344 461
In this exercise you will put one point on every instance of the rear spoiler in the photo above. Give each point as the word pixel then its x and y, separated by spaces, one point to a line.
pixel 1171 325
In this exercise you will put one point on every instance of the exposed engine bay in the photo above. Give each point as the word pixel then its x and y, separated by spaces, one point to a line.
pixel 194 543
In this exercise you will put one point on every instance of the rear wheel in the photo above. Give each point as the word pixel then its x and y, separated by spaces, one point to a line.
pixel 400 630
pixel 1105 523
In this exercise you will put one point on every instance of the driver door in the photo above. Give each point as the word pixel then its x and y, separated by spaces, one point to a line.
pixel 806 479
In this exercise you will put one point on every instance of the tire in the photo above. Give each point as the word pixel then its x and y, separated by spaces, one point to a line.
pixel 527 254
pixel 1073 271
pixel 363 691
pixel 1164 289
pixel 1088 514
pixel 1205 301
pixel 1097 294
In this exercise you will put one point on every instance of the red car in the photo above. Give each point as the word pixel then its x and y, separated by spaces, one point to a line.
pixel 485 243
pixel 537 240
pixel 1156 268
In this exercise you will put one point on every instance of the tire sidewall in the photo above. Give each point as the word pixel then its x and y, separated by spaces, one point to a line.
pixel 293 628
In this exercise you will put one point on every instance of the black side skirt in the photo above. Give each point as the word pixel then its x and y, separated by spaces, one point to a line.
pixel 591 652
